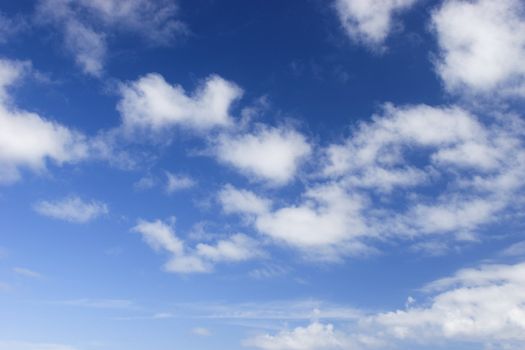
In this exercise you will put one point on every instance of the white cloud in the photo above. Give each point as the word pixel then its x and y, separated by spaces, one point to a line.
pixel 28 140
pixel 235 200
pixel 87 25
pixel 448 172
pixel 161 236
pixel 72 209
pixel 316 336
pixel 178 182
pixel 328 221
pixel 415 147
pixel 370 21
pixel 152 104
pixel 26 272
pixel 327 216
pixel 237 247
pixel 482 46
pixel 270 154
pixel 481 305
pixel 18 345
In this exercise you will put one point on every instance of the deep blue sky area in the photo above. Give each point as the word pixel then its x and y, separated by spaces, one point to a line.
pixel 263 174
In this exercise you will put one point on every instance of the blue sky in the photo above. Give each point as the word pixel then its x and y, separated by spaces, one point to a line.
pixel 275 175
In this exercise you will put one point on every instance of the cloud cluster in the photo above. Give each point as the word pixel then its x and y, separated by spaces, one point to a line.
pixel 203 256
pixel 370 21
pixel 475 169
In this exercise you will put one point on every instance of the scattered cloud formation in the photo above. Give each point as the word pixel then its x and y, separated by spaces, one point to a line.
pixel 482 46
pixel 370 21
pixel 400 154
pixel 72 209
pixel 87 25
pixel 270 154
pixel 161 237
pixel 152 104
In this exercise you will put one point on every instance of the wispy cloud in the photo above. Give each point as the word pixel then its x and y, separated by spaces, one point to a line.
pixel 72 209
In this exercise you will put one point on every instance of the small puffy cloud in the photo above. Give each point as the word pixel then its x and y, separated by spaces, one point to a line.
pixel 328 216
pixel 327 223
pixel 72 209
pixel 87 25
pixel 370 21
pixel 201 258
pixel 481 46
pixel 234 200
pixel 152 104
pixel 28 140
pixel 237 247
pixel 178 182
pixel 316 336
pixel 270 154
pixel 159 236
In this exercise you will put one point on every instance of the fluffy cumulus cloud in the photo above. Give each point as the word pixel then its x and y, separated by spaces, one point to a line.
pixel 88 25
pixel 315 336
pixel 370 21
pixel 28 140
pixel 270 154
pixel 482 46
pixel 203 256
pixel 327 221
pixel 152 104
pixel 72 209
pixel 483 306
